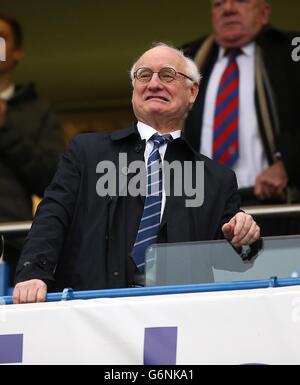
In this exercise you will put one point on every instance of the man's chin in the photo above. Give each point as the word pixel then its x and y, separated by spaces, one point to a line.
pixel 231 40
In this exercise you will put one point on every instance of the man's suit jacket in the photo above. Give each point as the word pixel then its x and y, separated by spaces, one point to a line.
pixel 81 240
pixel 284 77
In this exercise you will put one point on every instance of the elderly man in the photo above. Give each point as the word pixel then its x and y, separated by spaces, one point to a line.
pixel 247 113
pixel 84 239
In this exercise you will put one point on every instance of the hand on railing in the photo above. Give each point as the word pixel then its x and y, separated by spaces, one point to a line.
pixel 30 291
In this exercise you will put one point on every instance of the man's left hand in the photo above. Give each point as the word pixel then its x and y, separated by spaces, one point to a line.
pixel 241 230
pixel 3 112
pixel 271 182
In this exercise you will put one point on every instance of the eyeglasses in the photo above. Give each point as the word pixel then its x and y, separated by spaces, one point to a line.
pixel 165 74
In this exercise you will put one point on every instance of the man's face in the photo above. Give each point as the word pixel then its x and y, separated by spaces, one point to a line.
pixel 237 22
pixel 158 101
pixel 13 53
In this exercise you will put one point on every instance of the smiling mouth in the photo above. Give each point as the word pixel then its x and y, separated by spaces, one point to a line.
pixel 231 22
pixel 157 97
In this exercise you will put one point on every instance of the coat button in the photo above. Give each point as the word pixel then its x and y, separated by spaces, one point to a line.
pixel 115 273
pixel 43 261
pixel 138 147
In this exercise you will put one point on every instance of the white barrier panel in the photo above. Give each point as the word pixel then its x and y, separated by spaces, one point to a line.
pixel 237 327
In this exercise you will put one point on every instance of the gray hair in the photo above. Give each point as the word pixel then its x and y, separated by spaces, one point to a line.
pixel 190 68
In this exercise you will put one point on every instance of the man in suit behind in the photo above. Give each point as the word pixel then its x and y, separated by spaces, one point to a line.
pixel 86 238
pixel 267 165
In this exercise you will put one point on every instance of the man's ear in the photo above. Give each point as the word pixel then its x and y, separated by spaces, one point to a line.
pixel 267 10
pixel 194 92
pixel 18 55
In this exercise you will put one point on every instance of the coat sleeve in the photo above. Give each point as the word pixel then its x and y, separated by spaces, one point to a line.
pixel 231 208
pixel 45 240
pixel 232 201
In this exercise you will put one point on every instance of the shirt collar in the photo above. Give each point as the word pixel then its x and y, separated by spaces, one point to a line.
pixel 146 131
pixel 8 93
pixel 248 50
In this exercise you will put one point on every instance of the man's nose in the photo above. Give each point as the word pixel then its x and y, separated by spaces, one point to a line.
pixel 155 81
pixel 229 6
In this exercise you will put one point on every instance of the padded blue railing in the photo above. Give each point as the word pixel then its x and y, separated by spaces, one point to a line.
pixel 69 294
pixel 3 279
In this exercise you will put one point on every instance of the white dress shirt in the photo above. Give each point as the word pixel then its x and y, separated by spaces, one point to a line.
pixel 252 159
pixel 146 132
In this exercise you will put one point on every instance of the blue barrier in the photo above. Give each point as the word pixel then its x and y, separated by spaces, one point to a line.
pixel 69 294
pixel 4 274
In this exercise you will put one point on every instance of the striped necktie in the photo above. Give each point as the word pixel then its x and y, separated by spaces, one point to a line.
pixel 150 221
pixel 225 130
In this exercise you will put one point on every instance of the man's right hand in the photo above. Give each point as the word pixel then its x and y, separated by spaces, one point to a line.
pixel 30 291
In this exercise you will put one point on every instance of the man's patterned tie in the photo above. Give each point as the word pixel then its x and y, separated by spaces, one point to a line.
pixel 150 221
pixel 225 130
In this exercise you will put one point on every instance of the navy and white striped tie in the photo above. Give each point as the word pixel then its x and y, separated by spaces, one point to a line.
pixel 150 221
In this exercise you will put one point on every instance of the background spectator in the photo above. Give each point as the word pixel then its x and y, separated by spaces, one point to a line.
pixel 263 102
pixel 30 139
